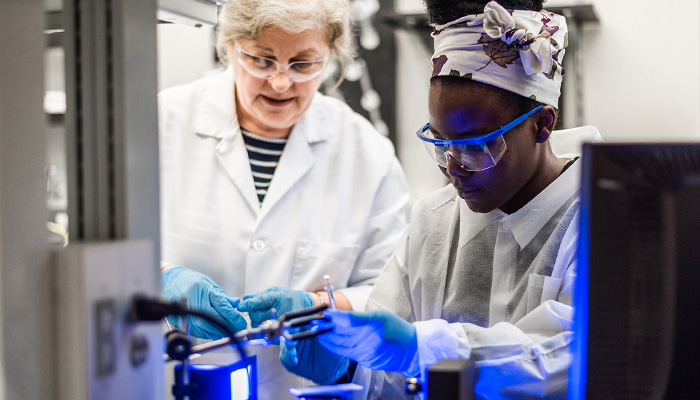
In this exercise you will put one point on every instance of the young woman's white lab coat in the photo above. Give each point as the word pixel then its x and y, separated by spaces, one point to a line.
pixel 494 288
pixel 336 204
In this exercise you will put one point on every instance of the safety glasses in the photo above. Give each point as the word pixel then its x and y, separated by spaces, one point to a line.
pixel 473 154
pixel 265 68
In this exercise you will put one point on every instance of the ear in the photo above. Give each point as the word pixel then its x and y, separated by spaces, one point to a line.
pixel 546 118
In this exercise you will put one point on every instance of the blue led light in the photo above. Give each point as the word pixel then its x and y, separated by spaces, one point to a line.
pixel 237 381
pixel 240 384
pixel 204 367
pixel 579 347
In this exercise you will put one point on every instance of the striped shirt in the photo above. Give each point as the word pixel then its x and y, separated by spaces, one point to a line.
pixel 264 155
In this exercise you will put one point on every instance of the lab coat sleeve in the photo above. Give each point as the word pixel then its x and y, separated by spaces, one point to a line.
pixel 524 360
pixel 383 230
pixel 391 291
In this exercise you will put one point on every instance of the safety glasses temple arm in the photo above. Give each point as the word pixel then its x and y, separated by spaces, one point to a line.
pixel 512 124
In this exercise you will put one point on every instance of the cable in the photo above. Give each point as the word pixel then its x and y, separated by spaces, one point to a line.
pixel 150 309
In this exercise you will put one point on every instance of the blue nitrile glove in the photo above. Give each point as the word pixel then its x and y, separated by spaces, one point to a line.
pixel 259 306
pixel 379 340
pixel 309 359
pixel 205 296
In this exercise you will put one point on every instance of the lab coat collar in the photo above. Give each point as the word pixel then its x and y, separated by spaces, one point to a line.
pixel 526 222
pixel 216 117
pixel 296 160
pixel 298 156
pixel 471 223
pixel 315 125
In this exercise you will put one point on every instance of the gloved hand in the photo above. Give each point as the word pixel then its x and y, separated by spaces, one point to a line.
pixel 379 340
pixel 283 300
pixel 205 296
pixel 309 359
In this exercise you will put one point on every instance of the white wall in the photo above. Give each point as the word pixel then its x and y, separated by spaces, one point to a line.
pixel 185 53
pixel 642 70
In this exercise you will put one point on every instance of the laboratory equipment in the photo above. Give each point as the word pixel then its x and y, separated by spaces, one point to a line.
pixel 341 391
pixel 236 381
pixel 98 346
pixel 636 296
pixel 196 13
pixel 451 379
pixel 295 325
pixel 329 289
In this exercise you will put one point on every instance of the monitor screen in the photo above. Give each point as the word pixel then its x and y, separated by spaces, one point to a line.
pixel 637 295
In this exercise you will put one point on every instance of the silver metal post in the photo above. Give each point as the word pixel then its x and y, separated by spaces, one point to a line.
pixel 329 289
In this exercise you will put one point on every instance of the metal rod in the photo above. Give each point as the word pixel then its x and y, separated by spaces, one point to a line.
pixel 329 289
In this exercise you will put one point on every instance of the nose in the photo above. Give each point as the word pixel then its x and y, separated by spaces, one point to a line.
pixel 280 82
pixel 454 167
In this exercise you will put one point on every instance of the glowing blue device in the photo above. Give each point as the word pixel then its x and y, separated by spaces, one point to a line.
pixel 237 381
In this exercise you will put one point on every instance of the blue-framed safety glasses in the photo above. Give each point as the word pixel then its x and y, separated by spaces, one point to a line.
pixel 473 154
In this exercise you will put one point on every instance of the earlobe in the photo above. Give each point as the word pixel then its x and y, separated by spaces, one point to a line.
pixel 546 118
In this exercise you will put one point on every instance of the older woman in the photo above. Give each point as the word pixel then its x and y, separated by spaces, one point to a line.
pixel 267 184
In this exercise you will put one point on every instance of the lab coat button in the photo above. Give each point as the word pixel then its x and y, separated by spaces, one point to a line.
pixel 259 245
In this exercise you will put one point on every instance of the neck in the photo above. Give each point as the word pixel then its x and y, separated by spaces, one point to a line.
pixel 268 133
pixel 548 172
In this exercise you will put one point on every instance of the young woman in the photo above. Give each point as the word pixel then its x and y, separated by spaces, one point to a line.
pixel 486 268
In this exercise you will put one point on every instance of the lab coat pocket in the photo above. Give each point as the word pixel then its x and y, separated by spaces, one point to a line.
pixel 541 288
pixel 313 260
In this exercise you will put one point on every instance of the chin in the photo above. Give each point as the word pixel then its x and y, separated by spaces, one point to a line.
pixel 479 207
pixel 276 124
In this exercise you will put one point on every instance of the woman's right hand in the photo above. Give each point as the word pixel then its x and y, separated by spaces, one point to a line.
pixel 205 296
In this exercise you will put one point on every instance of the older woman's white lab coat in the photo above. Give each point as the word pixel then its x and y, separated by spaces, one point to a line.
pixel 336 204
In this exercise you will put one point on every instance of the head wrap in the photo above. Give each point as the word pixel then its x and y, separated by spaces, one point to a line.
pixel 516 50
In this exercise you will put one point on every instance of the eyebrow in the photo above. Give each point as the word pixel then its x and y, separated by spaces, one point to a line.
pixel 467 134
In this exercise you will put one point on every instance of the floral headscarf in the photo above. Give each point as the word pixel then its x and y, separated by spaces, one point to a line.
pixel 516 50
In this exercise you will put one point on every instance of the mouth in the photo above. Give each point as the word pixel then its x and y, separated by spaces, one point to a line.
pixel 467 194
pixel 464 191
pixel 276 102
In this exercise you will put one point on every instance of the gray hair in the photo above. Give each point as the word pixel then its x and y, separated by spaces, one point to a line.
pixel 247 19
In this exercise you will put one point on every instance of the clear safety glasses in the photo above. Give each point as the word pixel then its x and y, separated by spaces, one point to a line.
pixel 265 68
pixel 473 154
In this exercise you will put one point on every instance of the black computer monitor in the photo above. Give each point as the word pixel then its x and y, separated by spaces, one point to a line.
pixel 637 294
